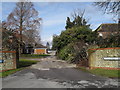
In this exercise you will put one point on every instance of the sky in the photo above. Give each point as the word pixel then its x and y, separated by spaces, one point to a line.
pixel 54 16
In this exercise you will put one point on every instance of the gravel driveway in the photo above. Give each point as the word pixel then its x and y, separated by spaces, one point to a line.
pixel 53 73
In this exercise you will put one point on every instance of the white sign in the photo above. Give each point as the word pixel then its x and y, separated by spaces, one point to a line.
pixel 111 58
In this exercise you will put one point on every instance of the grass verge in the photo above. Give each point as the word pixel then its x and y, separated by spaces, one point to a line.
pixel 103 72
pixel 23 63
pixel 34 55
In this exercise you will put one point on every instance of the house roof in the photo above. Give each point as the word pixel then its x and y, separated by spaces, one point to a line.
pixel 40 46
pixel 108 27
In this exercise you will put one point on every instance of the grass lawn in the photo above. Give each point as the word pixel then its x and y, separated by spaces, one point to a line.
pixel 34 55
pixel 22 64
pixel 103 72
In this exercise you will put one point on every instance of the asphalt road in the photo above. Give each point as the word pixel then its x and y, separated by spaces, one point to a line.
pixel 53 73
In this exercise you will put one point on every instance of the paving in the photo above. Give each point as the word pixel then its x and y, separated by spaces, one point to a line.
pixel 53 73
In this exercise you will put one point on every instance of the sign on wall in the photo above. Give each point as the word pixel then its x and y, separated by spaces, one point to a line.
pixel 1 61
pixel 111 58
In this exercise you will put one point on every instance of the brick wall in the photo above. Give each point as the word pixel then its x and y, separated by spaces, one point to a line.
pixel 96 58
pixel 9 60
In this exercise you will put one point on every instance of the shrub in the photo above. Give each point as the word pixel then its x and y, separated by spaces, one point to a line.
pixel 73 52
pixel 66 53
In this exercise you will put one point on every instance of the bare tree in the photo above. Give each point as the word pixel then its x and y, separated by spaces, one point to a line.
pixel 110 6
pixel 78 16
pixel 23 17
pixel 33 37
pixel 78 12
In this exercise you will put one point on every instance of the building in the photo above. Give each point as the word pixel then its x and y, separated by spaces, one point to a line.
pixel 40 49
pixel 106 30
pixel 27 49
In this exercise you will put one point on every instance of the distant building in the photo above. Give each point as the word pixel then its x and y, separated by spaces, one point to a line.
pixel 106 30
pixel 27 49
pixel 40 49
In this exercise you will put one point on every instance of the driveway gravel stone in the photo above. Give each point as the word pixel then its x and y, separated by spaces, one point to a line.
pixel 53 73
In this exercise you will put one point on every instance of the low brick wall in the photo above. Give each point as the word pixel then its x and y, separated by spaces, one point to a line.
pixel 9 60
pixel 96 58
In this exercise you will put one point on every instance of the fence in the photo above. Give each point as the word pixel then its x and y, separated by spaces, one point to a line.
pixel 7 60
pixel 107 58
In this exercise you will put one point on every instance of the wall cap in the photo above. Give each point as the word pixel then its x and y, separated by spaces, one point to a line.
pixel 7 51
pixel 104 48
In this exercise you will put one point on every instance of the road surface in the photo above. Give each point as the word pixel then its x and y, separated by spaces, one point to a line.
pixel 53 73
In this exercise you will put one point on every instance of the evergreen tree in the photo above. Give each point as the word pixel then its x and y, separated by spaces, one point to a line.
pixel 78 20
pixel 69 24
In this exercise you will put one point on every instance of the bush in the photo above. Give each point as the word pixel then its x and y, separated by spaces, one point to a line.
pixel 72 43
pixel 72 35
pixel 73 52
pixel 66 53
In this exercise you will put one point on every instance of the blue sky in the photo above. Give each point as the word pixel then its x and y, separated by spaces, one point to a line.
pixel 54 16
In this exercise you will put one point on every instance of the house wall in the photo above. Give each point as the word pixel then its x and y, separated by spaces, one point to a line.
pixel 40 51
pixel 96 58
pixel 106 34
pixel 9 60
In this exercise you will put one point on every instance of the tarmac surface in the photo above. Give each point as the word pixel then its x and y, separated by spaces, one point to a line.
pixel 53 73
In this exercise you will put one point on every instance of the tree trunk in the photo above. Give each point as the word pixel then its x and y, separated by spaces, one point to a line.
pixel 21 27
pixel 20 39
pixel 17 57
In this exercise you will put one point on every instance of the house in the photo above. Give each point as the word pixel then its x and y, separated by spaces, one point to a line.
pixel 27 49
pixel 105 30
pixel 29 39
pixel 40 49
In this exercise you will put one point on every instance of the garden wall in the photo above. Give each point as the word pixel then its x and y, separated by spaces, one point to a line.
pixel 96 58
pixel 7 60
